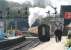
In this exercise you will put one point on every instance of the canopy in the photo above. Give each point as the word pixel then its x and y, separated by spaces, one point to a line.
pixel 68 26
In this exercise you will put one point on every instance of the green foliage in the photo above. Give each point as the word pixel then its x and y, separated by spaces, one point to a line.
pixel 68 43
pixel 65 32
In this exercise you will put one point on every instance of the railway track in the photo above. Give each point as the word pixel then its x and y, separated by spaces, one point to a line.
pixel 33 44
pixel 25 45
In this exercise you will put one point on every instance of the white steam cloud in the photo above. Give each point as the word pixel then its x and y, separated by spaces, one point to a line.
pixel 36 13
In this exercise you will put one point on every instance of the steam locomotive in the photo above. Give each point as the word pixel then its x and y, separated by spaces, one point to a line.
pixel 42 31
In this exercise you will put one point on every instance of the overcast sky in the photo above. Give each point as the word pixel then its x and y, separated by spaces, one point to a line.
pixel 55 3
pixel 63 1
pixel 20 1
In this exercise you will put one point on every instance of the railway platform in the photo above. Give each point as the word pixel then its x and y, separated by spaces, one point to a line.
pixel 51 45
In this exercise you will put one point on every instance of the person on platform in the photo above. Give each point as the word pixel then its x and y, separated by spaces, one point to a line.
pixel 58 35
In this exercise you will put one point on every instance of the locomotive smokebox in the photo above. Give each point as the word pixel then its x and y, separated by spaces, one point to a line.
pixel 43 32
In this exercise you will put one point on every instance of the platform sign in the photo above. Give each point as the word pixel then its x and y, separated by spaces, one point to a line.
pixel 66 14
pixel 67 18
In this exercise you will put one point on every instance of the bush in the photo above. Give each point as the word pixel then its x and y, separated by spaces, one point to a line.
pixel 68 43
pixel 65 33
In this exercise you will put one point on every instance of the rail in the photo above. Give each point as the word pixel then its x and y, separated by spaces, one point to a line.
pixel 25 45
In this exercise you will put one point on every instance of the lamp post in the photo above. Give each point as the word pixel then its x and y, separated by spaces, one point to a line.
pixel 55 11
pixel 8 11
pixel 6 21
pixel 48 13
pixel 0 14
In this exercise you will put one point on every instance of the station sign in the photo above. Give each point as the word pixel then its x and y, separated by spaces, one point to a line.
pixel 67 15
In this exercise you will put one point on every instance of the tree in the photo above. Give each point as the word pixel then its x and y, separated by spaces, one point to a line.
pixel 3 4
pixel 26 7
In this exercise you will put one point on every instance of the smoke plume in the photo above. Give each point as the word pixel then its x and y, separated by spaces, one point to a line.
pixel 36 13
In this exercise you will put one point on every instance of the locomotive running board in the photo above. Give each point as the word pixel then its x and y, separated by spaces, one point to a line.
pixel 31 37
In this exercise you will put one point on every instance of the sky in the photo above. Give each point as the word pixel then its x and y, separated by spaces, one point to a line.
pixel 55 3
pixel 58 3
pixel 20 1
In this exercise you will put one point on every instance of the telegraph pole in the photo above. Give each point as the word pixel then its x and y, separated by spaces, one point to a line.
pixel 6 19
